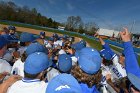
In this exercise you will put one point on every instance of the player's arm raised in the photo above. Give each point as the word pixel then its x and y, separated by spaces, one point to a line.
pixel 131 63
pixel 104 44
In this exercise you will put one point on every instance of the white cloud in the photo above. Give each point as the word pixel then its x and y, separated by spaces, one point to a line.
pixel 70 6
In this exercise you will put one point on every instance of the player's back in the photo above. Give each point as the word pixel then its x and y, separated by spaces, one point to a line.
pixel 28 86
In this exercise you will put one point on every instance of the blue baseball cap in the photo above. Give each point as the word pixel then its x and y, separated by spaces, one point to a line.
pixel 3 41
pixel 64 63
pixel 50 38
pixel 36 63
pixel 27 37
pixel 77 46
pixel 11 38
pixel 83 42
pixel 12 27
pixel 63 83
pixel 64 35
pixel 105 54
pixel 89 60
pixel 35 47
pixel 55 35
pixel 42 33
pixel 135 80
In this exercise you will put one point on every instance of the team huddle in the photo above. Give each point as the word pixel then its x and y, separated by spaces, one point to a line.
pixel 35 64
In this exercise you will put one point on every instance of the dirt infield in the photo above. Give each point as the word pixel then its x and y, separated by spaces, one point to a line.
pixel 34 31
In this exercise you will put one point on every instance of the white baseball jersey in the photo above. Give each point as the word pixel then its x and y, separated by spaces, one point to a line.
pixel 22 50
pixel 106 88
pixel 61 52
pixel 74 60
pixel 116 70
pixel 28 86
pixel 58 42
pixel 47 44
pixel 11 50
pixel 4 66
pixel 8 57
pixel 52 72
pixel 18 68
pixel 45 41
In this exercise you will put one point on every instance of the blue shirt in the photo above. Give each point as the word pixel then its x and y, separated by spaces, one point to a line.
pixel 86 89
pixel 131 63
pixel 107 47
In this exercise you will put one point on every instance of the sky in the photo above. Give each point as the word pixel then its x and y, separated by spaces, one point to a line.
pixel 110 14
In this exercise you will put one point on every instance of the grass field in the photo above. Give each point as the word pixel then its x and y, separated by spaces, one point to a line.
pixel 93 43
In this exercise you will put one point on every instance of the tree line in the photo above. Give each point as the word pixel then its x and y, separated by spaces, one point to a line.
pixel 10 11
pixel 76 24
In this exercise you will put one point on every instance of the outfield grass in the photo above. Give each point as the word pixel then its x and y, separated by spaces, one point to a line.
pixel 93 43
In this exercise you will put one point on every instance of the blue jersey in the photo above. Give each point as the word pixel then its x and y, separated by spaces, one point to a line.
pixel 117 70
pixel 86 89
pixel 131 60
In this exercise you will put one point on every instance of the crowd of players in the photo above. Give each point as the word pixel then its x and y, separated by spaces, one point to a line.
pixel 34 64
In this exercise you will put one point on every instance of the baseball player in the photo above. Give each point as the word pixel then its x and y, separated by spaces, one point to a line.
pixel 18 67
pixel 131 63
pixel 64 66
pixel 42 40
pixel 42 35
pixel 4 65
pixel 49 43
pixel 11 53
pixel 116 70
pixel 6 84
pixel 12 32
pixel 109 55
pixel 34 70
pixel 88 72
pixel 25 40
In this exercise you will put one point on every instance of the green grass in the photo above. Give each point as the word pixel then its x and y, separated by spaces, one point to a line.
pixel 91 42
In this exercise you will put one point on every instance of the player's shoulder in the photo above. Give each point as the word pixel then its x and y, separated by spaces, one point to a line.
pixel 15 85
pixel 53 70
pixel 4 62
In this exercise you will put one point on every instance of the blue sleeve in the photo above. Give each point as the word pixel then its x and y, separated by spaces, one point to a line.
pixel 131 63
pixel 107 47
